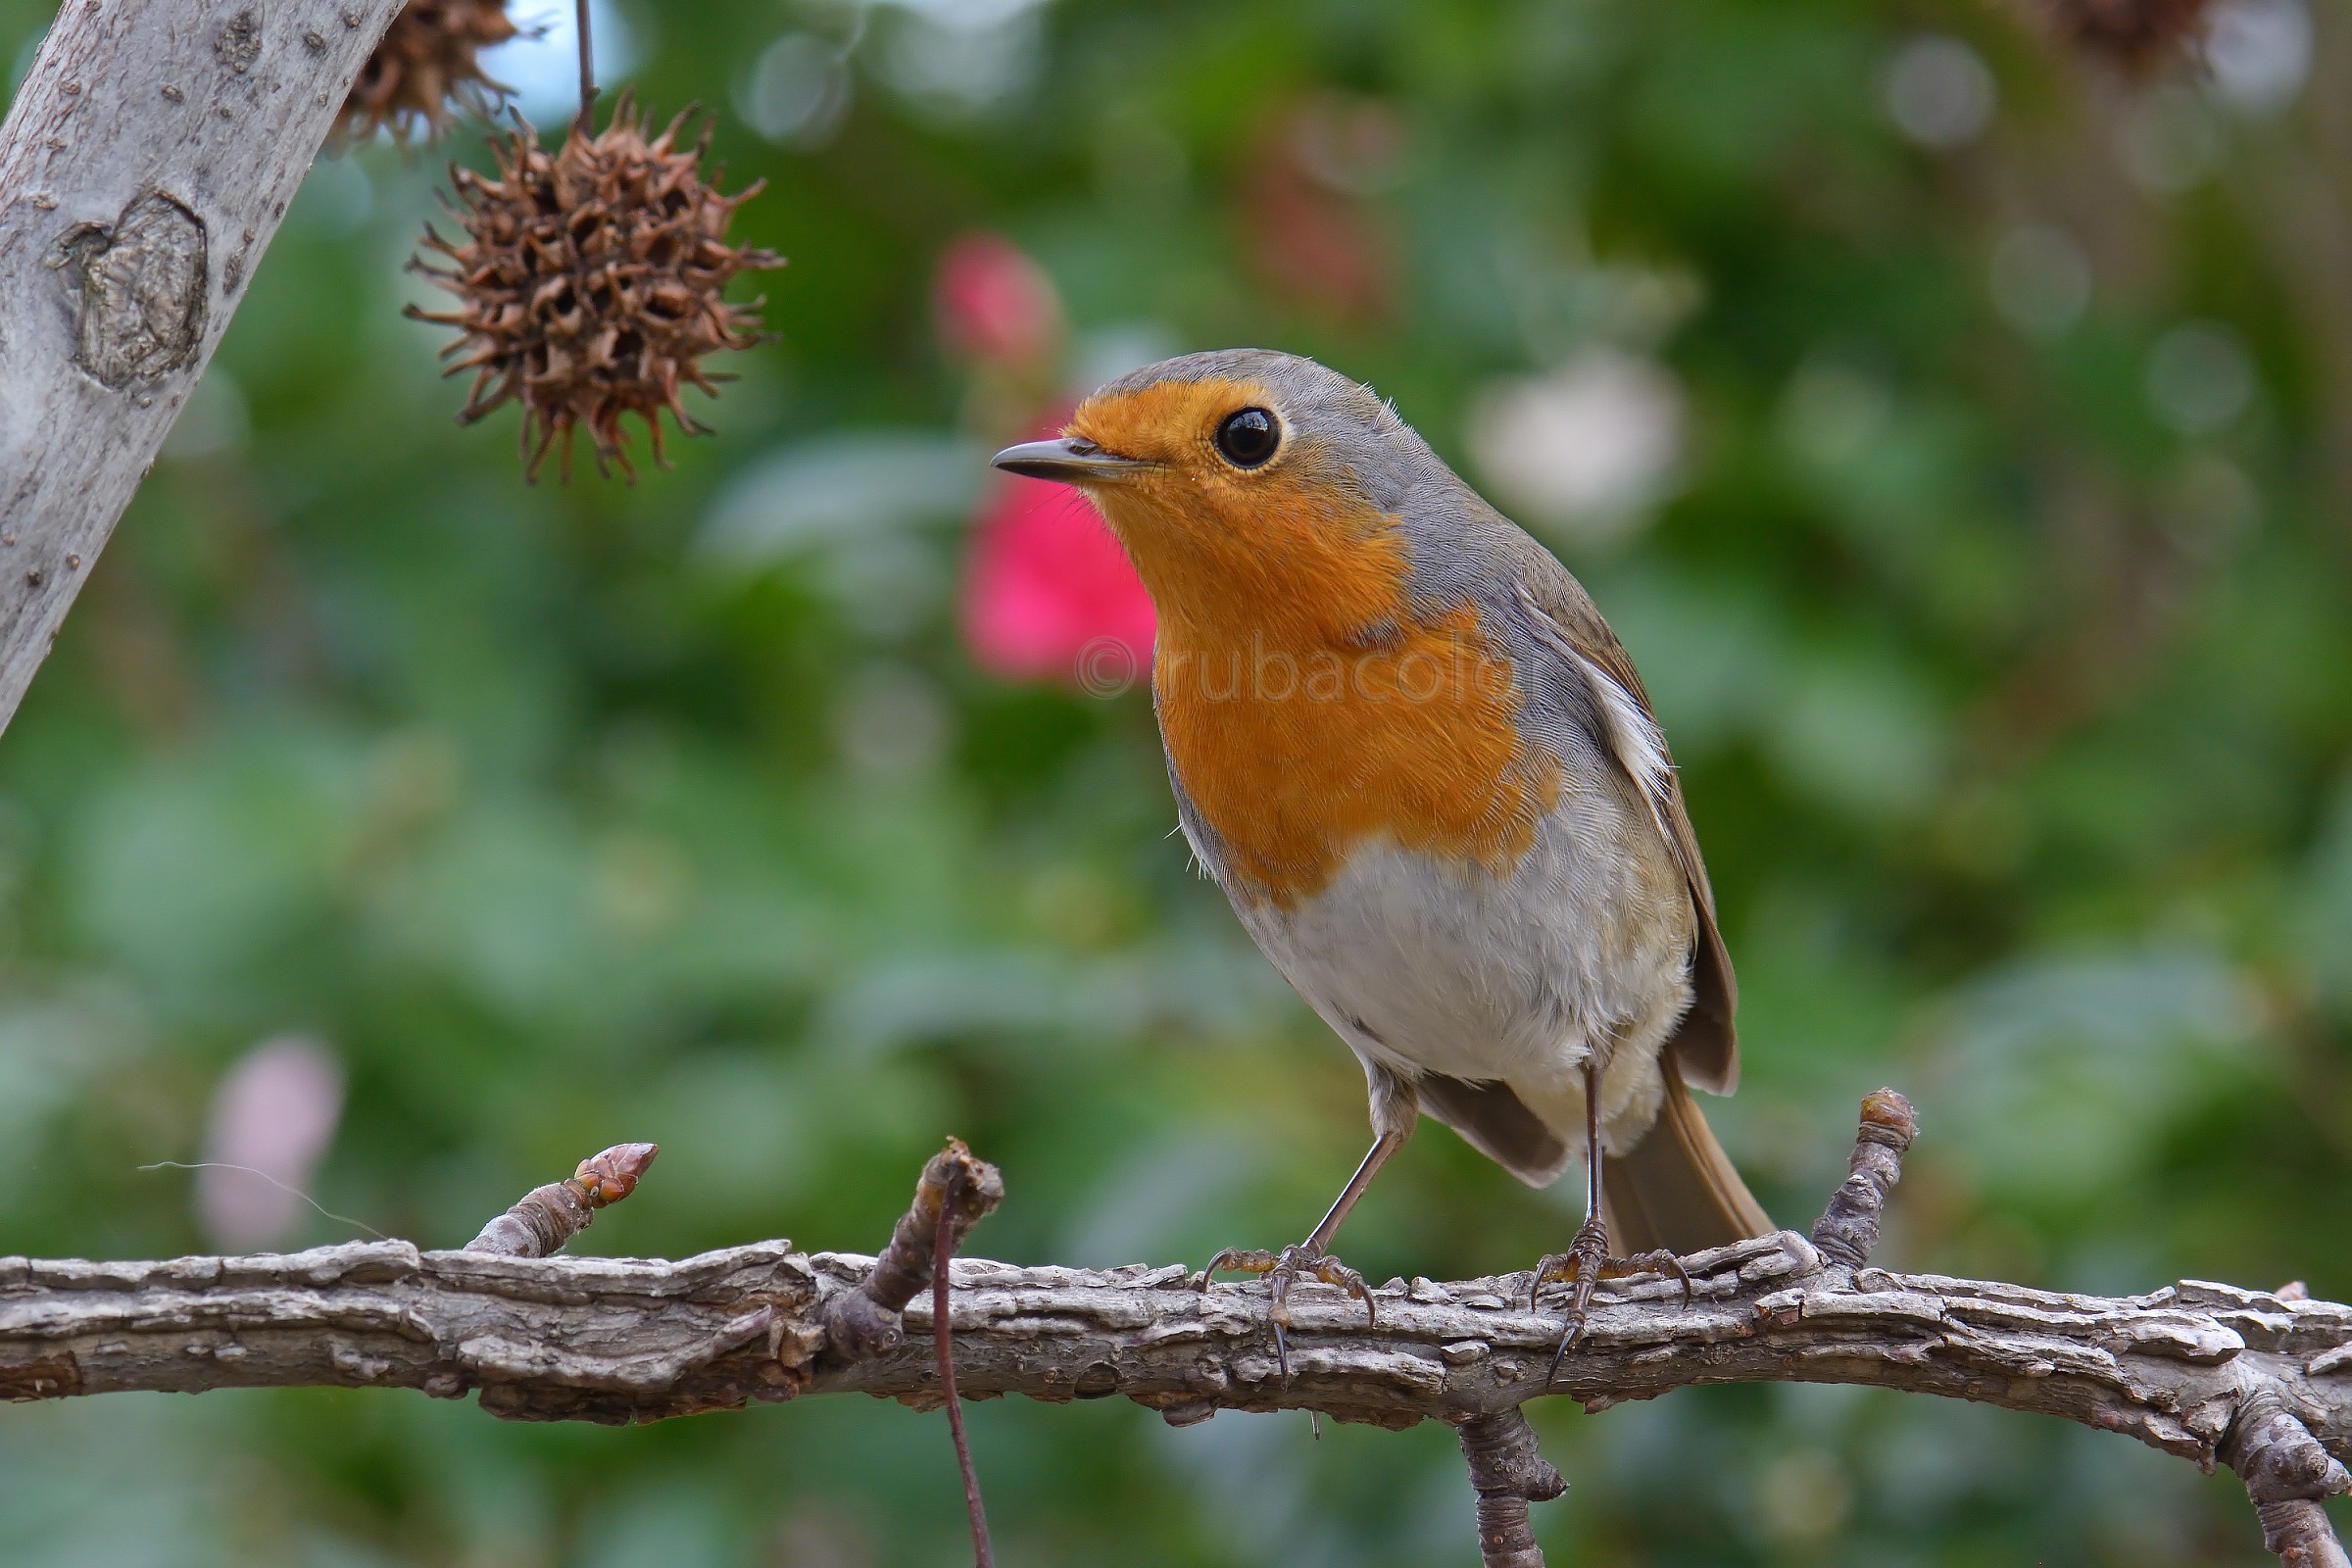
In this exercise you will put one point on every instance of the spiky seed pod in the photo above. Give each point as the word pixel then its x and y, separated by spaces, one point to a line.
pixel 2138 35
pixel 589 283
pixel 426 70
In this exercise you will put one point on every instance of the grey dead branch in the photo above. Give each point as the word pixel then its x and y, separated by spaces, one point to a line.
pixel 146 164
pixel 2260 1381
pixel 621 1339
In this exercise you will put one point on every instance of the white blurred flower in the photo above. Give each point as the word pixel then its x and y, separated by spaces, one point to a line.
pixel 956 59
pixel 1940 92
pixel 798 90
pixel 1584 451
pixel 2260 51
pixel 275 1113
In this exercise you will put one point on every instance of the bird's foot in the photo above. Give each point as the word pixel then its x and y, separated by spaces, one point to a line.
pixel 1284 1269
pixel 1585 1263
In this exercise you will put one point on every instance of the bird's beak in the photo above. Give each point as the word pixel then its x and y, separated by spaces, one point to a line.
pixel 1070 461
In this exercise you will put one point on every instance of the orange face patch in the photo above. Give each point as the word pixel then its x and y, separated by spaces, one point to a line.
pixel 1304 709
pixel 1204 534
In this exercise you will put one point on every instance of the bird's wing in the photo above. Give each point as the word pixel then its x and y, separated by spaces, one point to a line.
pixel 1566 622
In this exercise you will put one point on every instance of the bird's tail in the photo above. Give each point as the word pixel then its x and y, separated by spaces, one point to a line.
pixel 1677 1189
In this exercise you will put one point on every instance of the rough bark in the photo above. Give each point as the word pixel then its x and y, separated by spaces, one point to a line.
pixel 2286 1474
pixel 2258 1379
pixel 1507 1473
pixel 620 1340
pixel 144 165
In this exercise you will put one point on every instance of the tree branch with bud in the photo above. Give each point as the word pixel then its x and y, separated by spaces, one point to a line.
pixel 2260 1381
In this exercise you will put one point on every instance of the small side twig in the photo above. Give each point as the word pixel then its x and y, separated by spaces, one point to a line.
pixel 955 1192
pixel 586 124
pixel 864 1322
pixel 1847 1232
pixel 2286 1475
pixel 1507 1473
pixel 943 1340
pixel 548 1217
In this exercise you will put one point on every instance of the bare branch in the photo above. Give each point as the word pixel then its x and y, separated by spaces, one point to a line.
pixel 2258 1379
pixel 643 1339
pixel 2286 1473
pixel 144 165
pixel 959 1180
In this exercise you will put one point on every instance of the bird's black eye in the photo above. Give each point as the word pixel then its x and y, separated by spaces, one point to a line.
pixel 1248 438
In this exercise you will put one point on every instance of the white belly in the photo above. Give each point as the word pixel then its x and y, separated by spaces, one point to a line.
pixel 1428 967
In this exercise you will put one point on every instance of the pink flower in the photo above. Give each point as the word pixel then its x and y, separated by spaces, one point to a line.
pixel 275 1113
pixel 994 303
pixel 1584 451
pixel 1049 594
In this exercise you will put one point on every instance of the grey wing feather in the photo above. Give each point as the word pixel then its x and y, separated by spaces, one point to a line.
pixel 1704 1044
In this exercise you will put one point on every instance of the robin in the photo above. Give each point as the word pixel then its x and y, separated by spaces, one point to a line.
pixel 1405 744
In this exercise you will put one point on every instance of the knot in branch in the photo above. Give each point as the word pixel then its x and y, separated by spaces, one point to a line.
pixel 2286 1473
pixel 2277 1456
pixel 866 1321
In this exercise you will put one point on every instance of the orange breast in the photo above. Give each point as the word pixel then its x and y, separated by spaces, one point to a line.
pixel 1297 752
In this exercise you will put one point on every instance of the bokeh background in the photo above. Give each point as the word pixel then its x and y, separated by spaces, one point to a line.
pixel 1957 429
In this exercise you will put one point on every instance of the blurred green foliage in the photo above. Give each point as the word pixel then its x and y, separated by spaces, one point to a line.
pixel 1995 605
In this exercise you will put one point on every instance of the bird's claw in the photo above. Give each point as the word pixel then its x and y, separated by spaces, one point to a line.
pixel 1284 1269
pixel 1585 1264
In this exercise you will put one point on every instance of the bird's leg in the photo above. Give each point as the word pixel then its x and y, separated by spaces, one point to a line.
pixel 1311 1258
pixel 1588 1262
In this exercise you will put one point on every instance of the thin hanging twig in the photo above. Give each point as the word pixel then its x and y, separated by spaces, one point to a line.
pixel 943 1340
pixel 250 1170
pixel 586 123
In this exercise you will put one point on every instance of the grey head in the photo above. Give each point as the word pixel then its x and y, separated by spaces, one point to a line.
pixel 1160 434
pixel 1329 430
